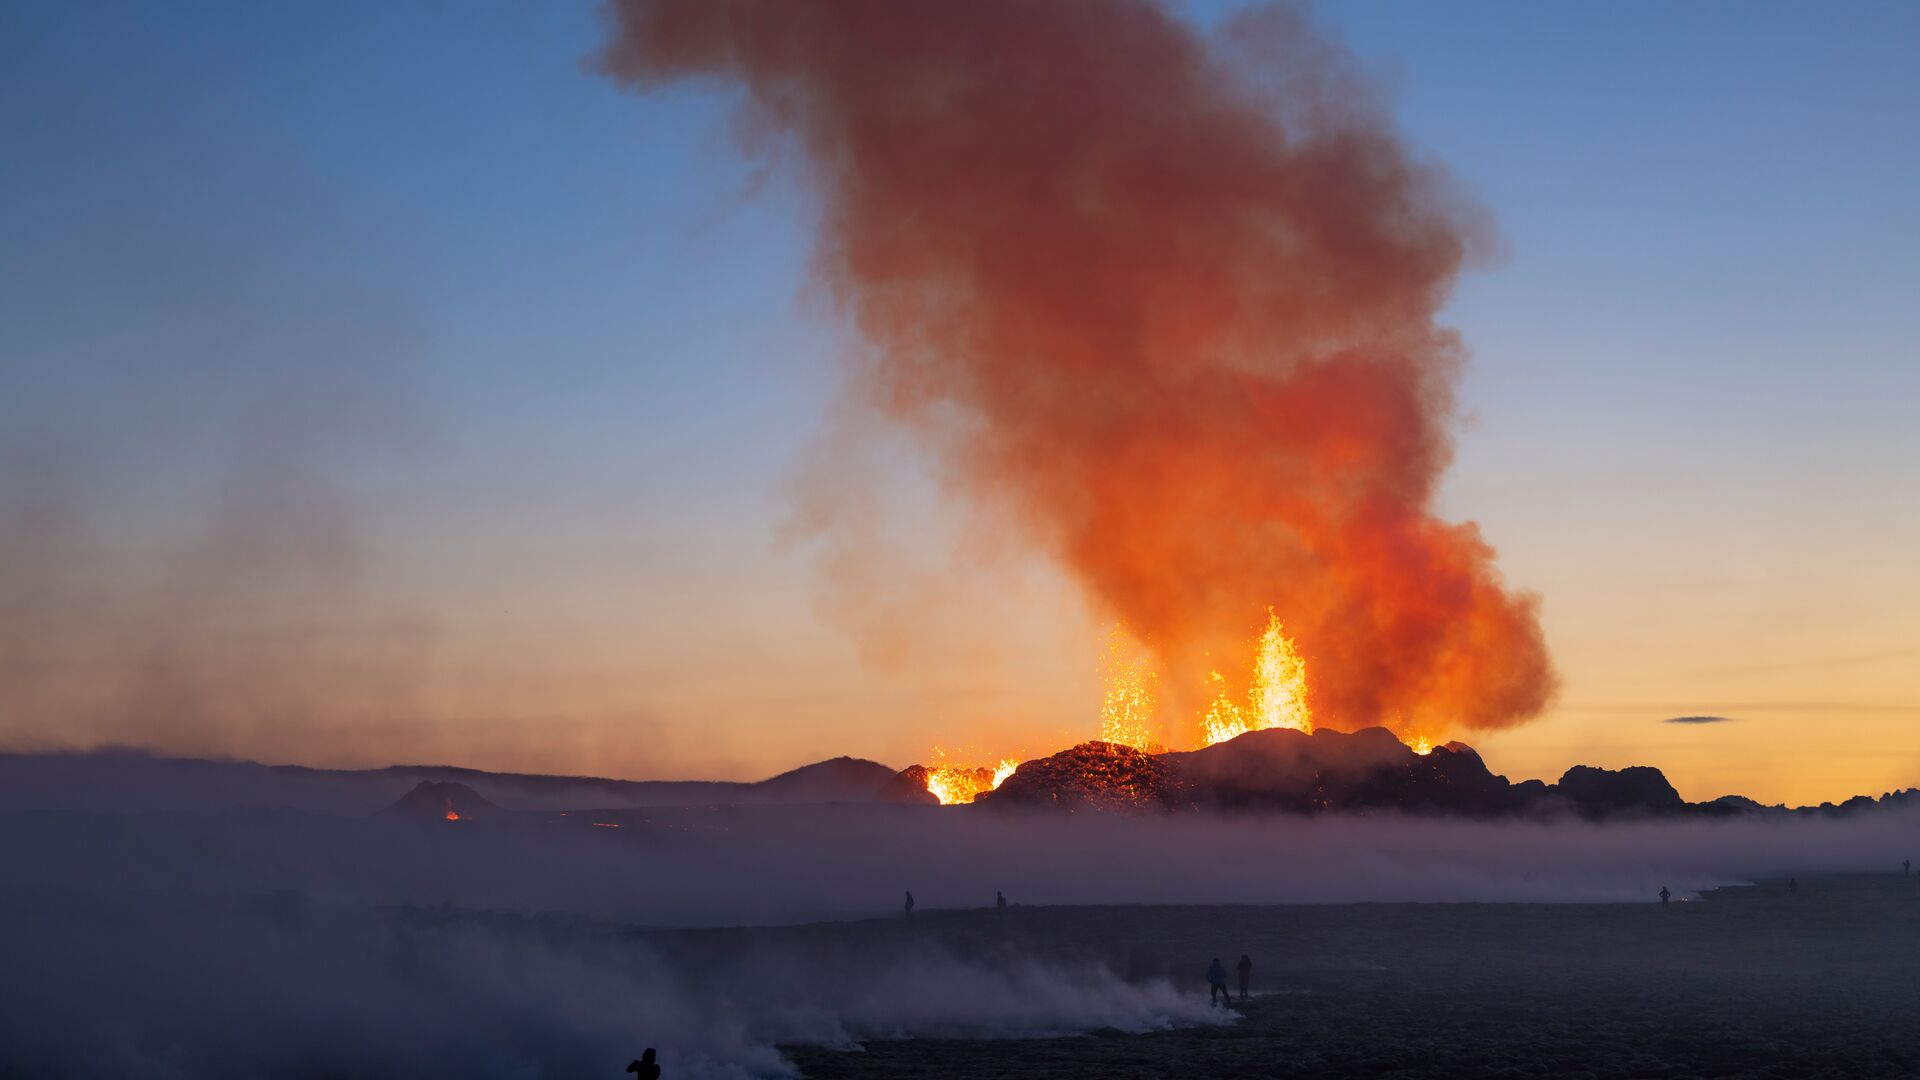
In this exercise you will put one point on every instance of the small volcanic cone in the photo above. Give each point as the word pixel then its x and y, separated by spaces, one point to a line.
pixel 444 801
pixel 908 786
pixel 840 779
pixel 1093 775
pixel 1274 769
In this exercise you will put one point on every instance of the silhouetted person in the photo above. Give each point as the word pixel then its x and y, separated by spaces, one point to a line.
pixel 645 1069
pixel 1245 970
pixel 1793 885
pixel 1217 983
pixel 909 904
pixel 1665 895
pixel 1000 900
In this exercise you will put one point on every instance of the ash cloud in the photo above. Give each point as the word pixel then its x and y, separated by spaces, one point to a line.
pixel 1160 302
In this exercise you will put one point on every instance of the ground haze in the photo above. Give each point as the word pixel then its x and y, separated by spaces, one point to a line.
pixel 1753 981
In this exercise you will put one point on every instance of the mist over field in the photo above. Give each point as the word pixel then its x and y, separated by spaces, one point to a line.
pixel 734 866
pixel 244 940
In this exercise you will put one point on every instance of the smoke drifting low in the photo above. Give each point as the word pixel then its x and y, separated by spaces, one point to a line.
pixel 175 986
pixel 240 942
pixel 1165 300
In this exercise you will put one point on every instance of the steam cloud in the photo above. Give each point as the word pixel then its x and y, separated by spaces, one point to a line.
pixel 1165 299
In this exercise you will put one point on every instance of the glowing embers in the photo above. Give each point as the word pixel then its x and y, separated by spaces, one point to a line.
pixel 1419 744
pixel 952 783
pixel 1003 770
pixel 1126 711
pixel 1277 697
pixel 452 814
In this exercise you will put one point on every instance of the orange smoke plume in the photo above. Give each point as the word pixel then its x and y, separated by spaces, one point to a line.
pixel 1167 298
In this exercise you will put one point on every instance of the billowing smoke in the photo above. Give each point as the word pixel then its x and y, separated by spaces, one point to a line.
pixel 1167 299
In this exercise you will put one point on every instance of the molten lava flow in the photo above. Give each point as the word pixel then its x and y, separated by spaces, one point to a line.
pixel 952 783
pixel 1276 699
pixel 1419 744
pixel 1126 713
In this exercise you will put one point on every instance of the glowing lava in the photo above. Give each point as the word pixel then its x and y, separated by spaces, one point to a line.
pixel 1276 699
pixel 952 783
pixel 452 815
pixel 1126 713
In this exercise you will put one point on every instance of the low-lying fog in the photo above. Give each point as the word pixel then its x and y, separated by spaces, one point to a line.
pixel 251 942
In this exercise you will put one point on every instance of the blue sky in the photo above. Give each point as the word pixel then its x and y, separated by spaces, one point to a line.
pixel 393 323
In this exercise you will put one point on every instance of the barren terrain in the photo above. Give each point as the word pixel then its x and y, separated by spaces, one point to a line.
pixel 1754 982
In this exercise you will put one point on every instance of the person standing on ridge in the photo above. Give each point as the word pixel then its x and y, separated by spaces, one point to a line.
pixel 1217 983
pixel 1245 970
pixel 1000 900
pixel 1665 895
pixel 909 903
pixel 645 1069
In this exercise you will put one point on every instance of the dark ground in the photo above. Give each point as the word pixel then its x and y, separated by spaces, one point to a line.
pixel 1750 982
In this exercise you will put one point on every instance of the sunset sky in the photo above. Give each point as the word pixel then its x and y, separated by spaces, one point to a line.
pixel 380 384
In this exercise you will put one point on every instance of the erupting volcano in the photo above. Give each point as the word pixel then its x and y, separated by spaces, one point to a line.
pixel 1276 698
pixel 1174 317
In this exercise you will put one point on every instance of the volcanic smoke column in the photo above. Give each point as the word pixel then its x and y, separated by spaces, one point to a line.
pixel 1166 299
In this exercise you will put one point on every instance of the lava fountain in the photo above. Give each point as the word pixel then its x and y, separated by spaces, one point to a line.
pixel 1277 697
pixel 953 783
pixel 1162 301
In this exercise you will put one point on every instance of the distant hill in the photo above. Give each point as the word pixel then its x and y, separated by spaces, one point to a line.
pixel 1274 770
pixel 840 779
pixel 122 781
pixel 443 801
